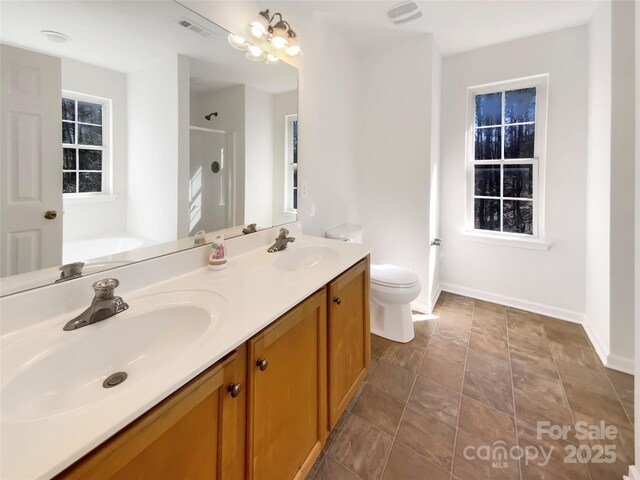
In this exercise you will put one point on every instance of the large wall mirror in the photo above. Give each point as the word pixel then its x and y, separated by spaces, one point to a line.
pixel 129 126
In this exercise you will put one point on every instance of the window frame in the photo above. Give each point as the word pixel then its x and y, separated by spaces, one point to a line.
pixel 289 166
pixel 106 147
pixel 540 82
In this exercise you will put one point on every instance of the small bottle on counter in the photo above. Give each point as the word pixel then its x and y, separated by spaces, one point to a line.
pixel 218 254
pixel 200 238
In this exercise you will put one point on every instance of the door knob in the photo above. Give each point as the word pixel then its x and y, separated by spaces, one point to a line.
pixel 234 389
pixel 337 300
pixel 262 364
pixel 50 214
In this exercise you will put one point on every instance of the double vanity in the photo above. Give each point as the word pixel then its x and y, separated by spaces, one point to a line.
pixel 233 374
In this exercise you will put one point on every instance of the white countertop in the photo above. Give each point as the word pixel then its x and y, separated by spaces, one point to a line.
pixel 257 293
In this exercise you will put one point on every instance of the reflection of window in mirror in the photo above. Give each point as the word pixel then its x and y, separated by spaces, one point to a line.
pixel 86 144
pixel 291 164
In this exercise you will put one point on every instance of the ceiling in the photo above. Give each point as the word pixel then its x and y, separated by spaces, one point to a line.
pixel 457 25
pixel 127 35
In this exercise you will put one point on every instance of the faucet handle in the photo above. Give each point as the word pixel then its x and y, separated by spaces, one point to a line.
pixel 283 233
pixel 104 288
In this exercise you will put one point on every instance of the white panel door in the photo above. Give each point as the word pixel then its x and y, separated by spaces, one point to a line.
pixel 30 161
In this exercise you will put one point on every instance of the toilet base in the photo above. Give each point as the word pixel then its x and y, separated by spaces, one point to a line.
pixel 392 321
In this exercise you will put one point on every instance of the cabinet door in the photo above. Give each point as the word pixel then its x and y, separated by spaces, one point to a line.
pixel 184 437
pixel 287 395
pixel 349 338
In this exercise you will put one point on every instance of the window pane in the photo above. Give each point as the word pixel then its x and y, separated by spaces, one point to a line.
pixel 68 132
pixel 68 109
pixel 295 198
pixel 69 159
pixel 295 141
pixel 90 182
pixel 90 113
pixel 295 177
pixel 518 141
pixel 518 216
pixel 488 143
pixel 487 180
pixel 488 109
pixel 90 159
pixel 520 105
pixel 518 181
pixel 89 135
pixel 69 182
pixel 487 214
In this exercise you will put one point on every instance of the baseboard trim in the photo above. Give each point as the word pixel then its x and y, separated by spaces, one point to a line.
pixel 600 347
pixel 421 307
pixel 561 313
pixel 634 473
pixel 622 364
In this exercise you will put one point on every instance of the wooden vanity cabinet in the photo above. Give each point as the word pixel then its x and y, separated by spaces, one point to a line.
pixel 196 433
pixel 300 374
pixel 287 393
pixel 349 340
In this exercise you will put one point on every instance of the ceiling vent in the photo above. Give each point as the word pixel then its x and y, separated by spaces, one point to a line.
pixel 404 12
pixel 194 27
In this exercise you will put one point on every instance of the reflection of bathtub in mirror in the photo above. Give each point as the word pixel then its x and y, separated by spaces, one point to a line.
pixel 91 248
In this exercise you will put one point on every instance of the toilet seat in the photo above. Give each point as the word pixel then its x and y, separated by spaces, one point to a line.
pixel 393 277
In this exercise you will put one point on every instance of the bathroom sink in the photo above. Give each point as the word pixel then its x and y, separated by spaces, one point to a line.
pixel 155 331
pixel 295 259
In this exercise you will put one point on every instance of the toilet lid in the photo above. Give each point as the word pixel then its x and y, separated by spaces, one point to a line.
pixel 392 276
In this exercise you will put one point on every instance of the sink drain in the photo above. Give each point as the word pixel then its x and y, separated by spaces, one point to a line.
pixel 114 380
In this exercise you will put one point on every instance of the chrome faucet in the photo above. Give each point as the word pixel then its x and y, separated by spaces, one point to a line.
pixel 70 271
pixel 103 306
pixel 281 241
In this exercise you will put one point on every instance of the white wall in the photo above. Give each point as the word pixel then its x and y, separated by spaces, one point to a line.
pixel 598 277
pixel 83 219
pixel 394 153
pixel 622 184
pixel 283 104
pixel 258 185
pixel 550 281
pixel 610 185
pixel 155 149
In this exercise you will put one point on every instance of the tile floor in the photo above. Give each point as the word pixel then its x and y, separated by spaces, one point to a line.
pixel 480 375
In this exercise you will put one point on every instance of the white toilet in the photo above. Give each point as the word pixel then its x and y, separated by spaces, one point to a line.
pixel 392 291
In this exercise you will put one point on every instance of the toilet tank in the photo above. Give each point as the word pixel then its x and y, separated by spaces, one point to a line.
pixel 348 232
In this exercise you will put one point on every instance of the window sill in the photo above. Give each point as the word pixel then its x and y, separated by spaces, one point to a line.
pixel 529 243
pixel 81 199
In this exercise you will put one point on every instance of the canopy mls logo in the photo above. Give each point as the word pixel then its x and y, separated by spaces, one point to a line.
pixel 403 13
pixel 591 444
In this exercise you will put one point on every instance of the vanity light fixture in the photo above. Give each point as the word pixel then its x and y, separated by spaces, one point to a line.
pixel 276 35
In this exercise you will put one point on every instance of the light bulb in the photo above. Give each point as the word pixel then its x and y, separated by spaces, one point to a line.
pixel 279 38
pixel 238 42
pixel 293 50
pixel 271 59
pixel 255 53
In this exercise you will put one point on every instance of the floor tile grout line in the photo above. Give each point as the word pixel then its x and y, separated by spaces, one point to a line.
pixel 513 391
pixel 564 391
pixel 404 409
pixel 464 370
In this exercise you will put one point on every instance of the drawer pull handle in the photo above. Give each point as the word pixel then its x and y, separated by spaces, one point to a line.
pixel 234 389
pixel 262 364
pixel 337 300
